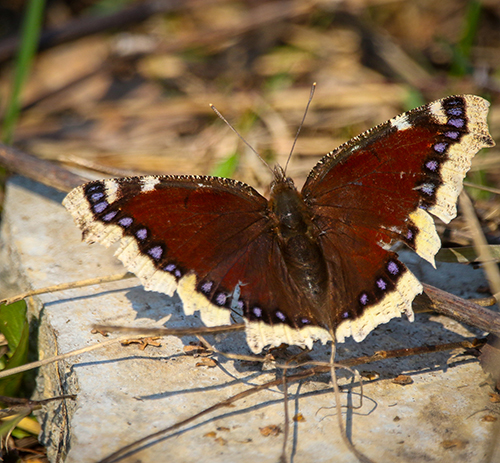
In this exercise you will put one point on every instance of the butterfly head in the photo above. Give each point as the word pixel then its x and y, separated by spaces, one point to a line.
pixel 280 178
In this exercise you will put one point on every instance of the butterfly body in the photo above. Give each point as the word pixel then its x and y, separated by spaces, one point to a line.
pixel 303 266
pixel 298 240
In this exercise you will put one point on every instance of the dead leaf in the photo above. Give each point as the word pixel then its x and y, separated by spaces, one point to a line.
pixel 494 397
pixel 271 430
pixel 143 342
pixel 402 380
pixel 196 350
pixel 369 375
pixel 454 443
pixel 206 362
pixel 101 332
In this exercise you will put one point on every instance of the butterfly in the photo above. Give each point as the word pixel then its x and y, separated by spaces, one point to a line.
pixel 299 266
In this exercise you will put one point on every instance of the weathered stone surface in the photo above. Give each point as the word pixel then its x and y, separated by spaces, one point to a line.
pixel 125 393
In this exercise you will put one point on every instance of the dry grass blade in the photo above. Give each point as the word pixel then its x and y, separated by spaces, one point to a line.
pixel 481 244
pixel 26 406
pixel 145 332
pixel 64 286
pixel 483 188
pixel 57 358
pixel 359 455
pixel 466 254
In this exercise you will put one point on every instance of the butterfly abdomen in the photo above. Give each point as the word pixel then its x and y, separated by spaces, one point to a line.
pixel 299 244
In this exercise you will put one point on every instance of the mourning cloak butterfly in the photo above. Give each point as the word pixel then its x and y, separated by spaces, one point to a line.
pixel 301 266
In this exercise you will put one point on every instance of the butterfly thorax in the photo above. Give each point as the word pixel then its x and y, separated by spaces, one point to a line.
pixel 298 242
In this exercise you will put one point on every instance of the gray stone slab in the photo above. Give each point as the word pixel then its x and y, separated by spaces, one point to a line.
pixel 125 393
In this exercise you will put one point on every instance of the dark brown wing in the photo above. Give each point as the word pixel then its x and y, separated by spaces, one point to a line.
pixel 380 187
pixel 208 238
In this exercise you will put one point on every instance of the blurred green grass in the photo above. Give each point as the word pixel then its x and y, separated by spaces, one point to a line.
pixel 30 34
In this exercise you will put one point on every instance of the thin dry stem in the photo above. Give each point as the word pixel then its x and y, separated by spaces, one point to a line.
pixel 41 363
pixel 71 285
pixel 480 244
pixel 286 427
pixel 359 455
pixel 483 188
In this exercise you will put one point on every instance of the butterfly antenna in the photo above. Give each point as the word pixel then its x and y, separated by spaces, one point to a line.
pixel 313 88
pixel 216 111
